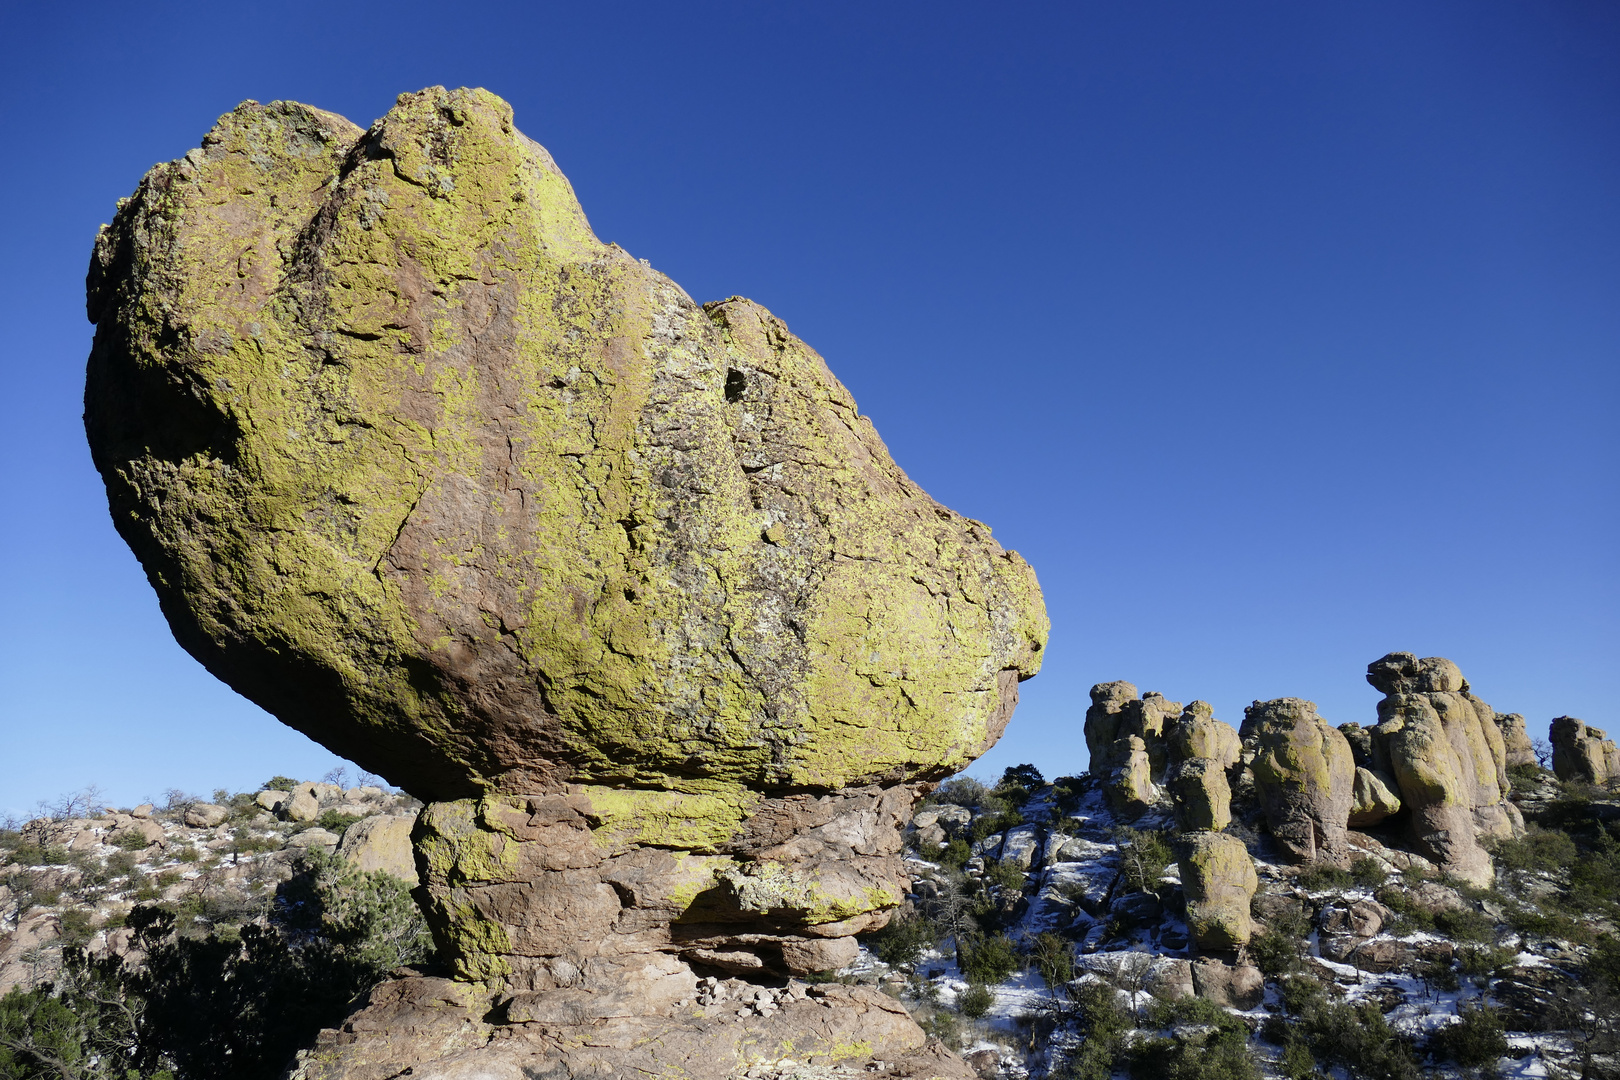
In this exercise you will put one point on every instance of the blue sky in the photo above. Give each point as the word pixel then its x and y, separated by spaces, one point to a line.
pixel 1277 336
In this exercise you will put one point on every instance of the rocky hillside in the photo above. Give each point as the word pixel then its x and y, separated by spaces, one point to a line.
pixel 72 878
pixel 1291 899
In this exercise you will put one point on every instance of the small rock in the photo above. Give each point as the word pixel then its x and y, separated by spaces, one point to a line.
pixel 313 838
pixel 271 800
pixel 142 811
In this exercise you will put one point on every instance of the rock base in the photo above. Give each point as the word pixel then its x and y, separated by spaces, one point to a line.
pixel 430 1028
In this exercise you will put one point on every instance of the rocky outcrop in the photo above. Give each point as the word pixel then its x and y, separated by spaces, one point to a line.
pixel 1219 880
pixel 1125 735
pixel 1202 750
pixel 1583 753
pixel 1516 744
pixel 624 586
pixel 1304 774
pixel 1446 754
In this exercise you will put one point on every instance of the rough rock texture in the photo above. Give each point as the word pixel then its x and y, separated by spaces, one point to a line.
pixel 1583 753
pixel 382 843
pixel 1447 756
pixel 1125 735
pixel 1516 739
pixel 1202 750
pixel 623 585
pixel 1305 775
pixel 1219 879
pixel 1373 798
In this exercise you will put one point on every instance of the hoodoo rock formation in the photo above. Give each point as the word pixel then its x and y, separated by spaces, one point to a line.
pixel 623 586
pixel 1583 753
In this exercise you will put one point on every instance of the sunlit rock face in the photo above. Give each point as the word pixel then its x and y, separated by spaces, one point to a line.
pixel 623 584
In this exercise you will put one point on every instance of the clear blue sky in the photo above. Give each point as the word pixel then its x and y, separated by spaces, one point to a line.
pixel 1277 336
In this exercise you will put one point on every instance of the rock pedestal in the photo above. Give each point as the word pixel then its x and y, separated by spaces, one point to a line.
pixel 622 585
pixel 1583 753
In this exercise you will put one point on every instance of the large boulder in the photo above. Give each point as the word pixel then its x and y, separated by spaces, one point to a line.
pixel 1583 753
pixel 1219 880
pixel 623 586
pixel 1447 756
pixel 1304 774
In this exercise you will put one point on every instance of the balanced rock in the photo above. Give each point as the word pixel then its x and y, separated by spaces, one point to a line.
pixel 1219 880
pixel 1305 775
pixel 623 586
pixel 1446 754
pixel 1583 753
pixel 1202 749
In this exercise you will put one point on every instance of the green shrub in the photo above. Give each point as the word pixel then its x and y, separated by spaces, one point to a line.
pixel 335 821
pixel 943 1026
pixel 1538 849
pixel 130 840
pixel 1066 793
pixel 959 791
pixel 1483 959
pixel 1465 924
pixel 75 926
pixel 1006 874
pixel 187 854
pixel 1368 872
pixel 1143 856
pixel 1053 957
pixel 1321 876
pixel 1409 916
pixel 1103 1026
pixel 990 959
pixel 991 823
pixel 904 940
pixel 1476 1039
pixel 975 1001
pixel 1276 952
pixel 954 854
pixel 1354 1037
pixel 120 863
pixel 1523 774
pixel 280 783
pixel 1527 919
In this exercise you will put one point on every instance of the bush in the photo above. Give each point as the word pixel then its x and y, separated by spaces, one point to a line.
pixel 1053 957
pixel 1465 924
pixel 1476 1039
pixel 904 940
pixel 975 1001
pixel 989 822
pixel 1143 856
pixel 1368 872
pixel 1102 1025
pixel 1215 1045
pixel 1276 952
pixel 1547 850
pixel 988 959
pixel 335 821
pixel 1006 874
pixel 1354 1037
pixel 942 1025
pixel 959 791
pixel 1409 916
pixel 280 783
pixel 1321 876
pixel 954 854
pixel 1066 793
pixel 130 840
pixel 1018 783
pixel 1483 959
pixel 75 926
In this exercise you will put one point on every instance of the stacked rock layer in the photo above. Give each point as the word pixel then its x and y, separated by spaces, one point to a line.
pixel 624 586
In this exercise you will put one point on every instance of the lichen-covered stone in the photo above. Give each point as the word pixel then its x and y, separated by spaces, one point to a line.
pixel 420 465
pixel 1447 756
pixel 1203 799
pixel 1218 879
pixel 1516 742
pixel 1197 734
pixel 1583 753
pixel 1304 773
pixel 1374 798
pixel 1126 738
pixel 624 586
